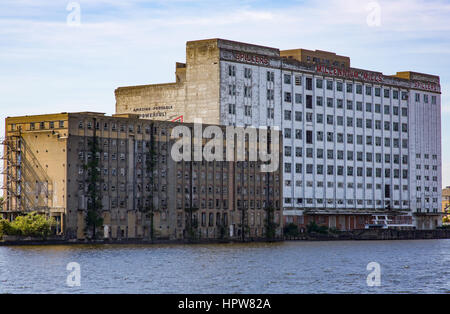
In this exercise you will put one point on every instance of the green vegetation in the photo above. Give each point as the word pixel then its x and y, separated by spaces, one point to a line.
pixel 313 227
pixel 291 230
pixel 1 202
pixel 270 225
pixel 94 219
pixel 149 210
pixel 30 225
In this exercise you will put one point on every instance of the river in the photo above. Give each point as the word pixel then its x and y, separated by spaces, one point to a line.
pixel 419 266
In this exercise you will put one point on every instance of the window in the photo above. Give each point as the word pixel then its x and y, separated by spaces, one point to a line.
pixel 231 70
pixel 330 102
pixel 287 115
pixel 287 151
pixel 248 91
pixel 287 79
pixel 287 133
pixel 349 121
pixel 319 101
pixel 319 136
pixel 349 105
pixel 298 80
pixel 368 90
pixel 248 73
pixel 309 101
pixel 309 83
pixel 350 138
pixel 298 116
pixel 377 108
pixel 395 94
pixel 377 91
pixel 248 111
pixel 339 86
pixel 298 98
pixel 270 76
pixel 232 90
pixel 320 153
pixel 349 87
pixel 231 108
pixel 329 85
pixel 359 89
pixel 319 83
pixel 330 119
pixel 287 97
pixel 386 93
pixel 309 137
pixel 330 136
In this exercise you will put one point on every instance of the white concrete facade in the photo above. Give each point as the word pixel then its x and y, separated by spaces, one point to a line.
pixel 360 141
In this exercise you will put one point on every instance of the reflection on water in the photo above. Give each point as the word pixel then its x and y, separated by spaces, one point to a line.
pixel 291 267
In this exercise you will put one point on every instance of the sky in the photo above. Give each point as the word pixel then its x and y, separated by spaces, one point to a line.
pixel 68 56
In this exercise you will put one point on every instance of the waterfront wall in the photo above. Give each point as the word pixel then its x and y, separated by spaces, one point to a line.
pixel 376 234
pixel 384 234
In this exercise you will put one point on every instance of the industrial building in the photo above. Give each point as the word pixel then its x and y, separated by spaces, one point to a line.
pixel 120 168
pixel 356 143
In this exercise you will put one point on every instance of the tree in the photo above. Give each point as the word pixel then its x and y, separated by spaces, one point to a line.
pixel 291 230
pixel 149 210
pixel 30 225
pixel 313 227
pixel 270 224
pixel 1 202
pixel 94 219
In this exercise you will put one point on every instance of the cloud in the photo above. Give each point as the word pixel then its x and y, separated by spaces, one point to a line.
pixel 47 65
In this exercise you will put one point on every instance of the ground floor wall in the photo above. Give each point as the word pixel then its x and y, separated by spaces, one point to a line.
pixel 339 222
pixel 174 225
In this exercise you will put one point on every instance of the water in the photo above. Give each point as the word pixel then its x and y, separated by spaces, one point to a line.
pixel 291 267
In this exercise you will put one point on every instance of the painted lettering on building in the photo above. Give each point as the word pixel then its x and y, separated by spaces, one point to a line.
pixel 244 57
pixel 350 74
pixel 426 86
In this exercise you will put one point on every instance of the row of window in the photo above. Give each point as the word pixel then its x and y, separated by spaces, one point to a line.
pixel 41 125
pixel 370 157
pixel 340 121
pixel 350 185
pixel 287 79
pixel 388 142
pixel 121 127
pixel 310 201
pixel 340 170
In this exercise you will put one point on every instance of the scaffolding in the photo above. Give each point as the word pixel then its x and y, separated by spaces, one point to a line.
pixel 26 186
